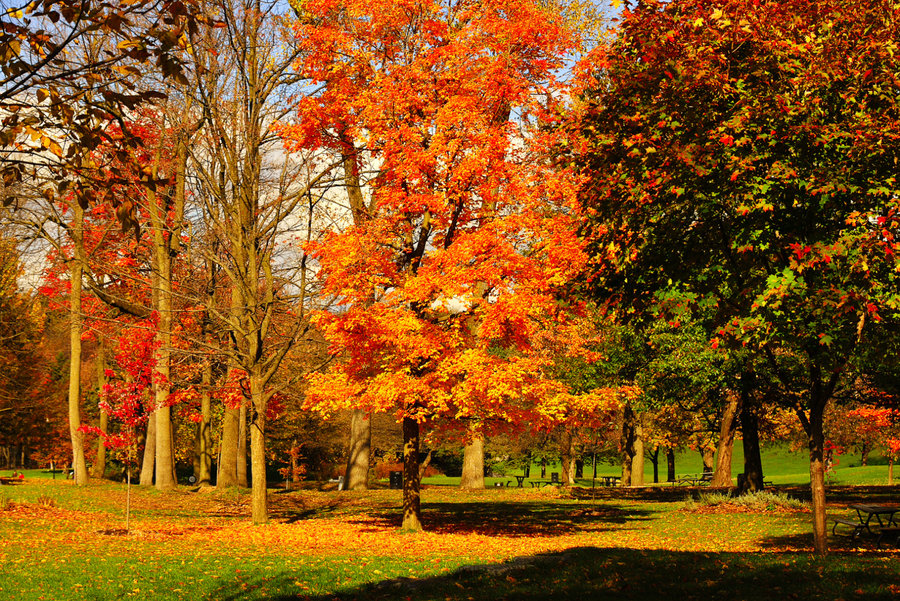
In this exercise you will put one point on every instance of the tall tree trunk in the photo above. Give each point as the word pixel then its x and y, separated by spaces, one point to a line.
pixel 654 459
pixel 670 464
pixel 753 471
pixel 727 431
pixel 76 321
pixel 817 477
pixel 242 447
pixel 259 502
pixel 165 460
pixel 708 456
pixel 98 470
pixel 473 463
pixel 204 433
pixel 637 465
pixel 627 444
pixel 356 474
pixel 412 504
pixel 864 454
pixel 227 475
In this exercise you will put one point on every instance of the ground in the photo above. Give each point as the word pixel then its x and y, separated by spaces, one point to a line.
pixel 62 542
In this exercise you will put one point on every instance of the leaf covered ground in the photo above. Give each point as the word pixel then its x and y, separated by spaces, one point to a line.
pixel 61 542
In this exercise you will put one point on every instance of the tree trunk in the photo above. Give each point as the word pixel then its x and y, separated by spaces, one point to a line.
pixel 98 470
pixel 149 461
pixel 76 321
pixel 753 474
pixel 654 459
pixel 817 473
pixel 727 431
pixel 228 453
pixel 627 445
pixel 864 454
pixel 204 433
pixel 412 507
pixel 259 501
pixel 708 455
pixel 670 464
pixel 242 447
pixel 890 471
pixel 579 468
pixel 568 458
pixel 473 463
pixel 637 465
pixel 356 474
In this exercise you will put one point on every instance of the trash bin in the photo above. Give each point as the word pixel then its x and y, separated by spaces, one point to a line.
pixel 395 479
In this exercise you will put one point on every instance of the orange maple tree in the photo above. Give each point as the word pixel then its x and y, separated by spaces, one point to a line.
pixel 451 273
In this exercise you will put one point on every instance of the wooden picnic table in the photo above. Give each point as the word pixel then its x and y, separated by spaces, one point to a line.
pixel 610 480
pixel 693 479
pixel 9 480
pixel 867 512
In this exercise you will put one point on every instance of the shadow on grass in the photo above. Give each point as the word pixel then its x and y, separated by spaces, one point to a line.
pixel 510 519
pixel 597 573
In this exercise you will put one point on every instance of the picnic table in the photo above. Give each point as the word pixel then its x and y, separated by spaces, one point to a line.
pixel 865 514
pixel 693 479
pixel 10 480
pixel 519 481
pixel 610 480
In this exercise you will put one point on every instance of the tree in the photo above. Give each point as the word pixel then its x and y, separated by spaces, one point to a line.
pixel 466 244
pixel 742 155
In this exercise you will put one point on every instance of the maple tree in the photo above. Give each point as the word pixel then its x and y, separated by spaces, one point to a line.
pixel 742 156
pixel 465 242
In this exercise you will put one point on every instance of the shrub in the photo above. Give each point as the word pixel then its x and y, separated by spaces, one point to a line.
pixel 756 501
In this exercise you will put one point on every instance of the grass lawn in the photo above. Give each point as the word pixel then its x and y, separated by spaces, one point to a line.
pixel 58 541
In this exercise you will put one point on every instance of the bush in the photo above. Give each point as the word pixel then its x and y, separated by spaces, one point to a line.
pixel 756 501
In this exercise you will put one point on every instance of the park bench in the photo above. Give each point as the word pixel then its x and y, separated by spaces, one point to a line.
pixel 10 481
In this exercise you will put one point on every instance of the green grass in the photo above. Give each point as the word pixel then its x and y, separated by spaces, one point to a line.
pixel 498 543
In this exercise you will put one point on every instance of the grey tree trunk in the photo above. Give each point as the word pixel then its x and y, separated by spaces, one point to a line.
pixel 259 500
pixel 242 479
pixel 76 271
pixel 228 454
pixel 149 461
pixel 753 471
pixel 98 470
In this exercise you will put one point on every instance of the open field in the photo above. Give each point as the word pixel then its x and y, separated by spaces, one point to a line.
pixel 61 542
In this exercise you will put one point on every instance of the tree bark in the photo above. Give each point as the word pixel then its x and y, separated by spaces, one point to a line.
pixel 653 456
pixel 148 463
pixel 568 458
pixel 708 455
pixel 727 431
pixel 227 475
pixel 76 324
pixel 98 470
pixel 637 465
pixel 241 464
pixel 259 501
pixel 473 463
pixel 204 433
pixel 627 444
pixel 356 474
pixel 753 471
pixel 412 504
pixel 670 464
pixel 817 475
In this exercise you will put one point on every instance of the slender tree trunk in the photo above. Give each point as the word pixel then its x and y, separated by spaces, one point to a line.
pixel 817 476
pixel 204 434
pixel 627 445
pixel 654 459
pixel 864 454
pixel 149 461
pixel 670 464
pixel 579 468
pixel 890 471
pixel 228 454
pixel 98 470
pixel 727 431
pixel 242 448
pixel 473 463
pixel 259 501
pixel 356 474
pixel 568 458
pixel 76 321
pixel 412 505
